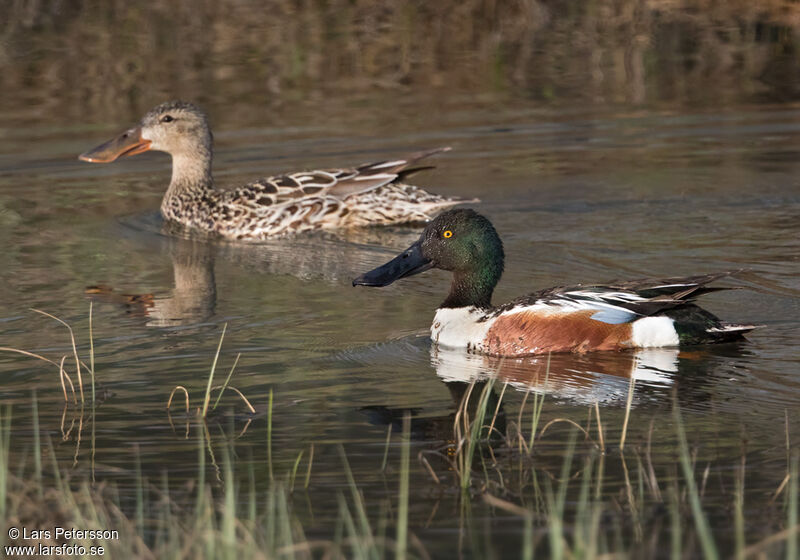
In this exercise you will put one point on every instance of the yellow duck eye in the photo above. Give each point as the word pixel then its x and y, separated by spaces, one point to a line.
pixel 448 233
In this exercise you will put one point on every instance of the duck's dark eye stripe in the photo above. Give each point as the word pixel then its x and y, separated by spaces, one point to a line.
pixel 167 118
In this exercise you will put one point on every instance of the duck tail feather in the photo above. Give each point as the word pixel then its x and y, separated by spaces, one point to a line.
pixel 416 156
pixel 406 173
pixel 731 331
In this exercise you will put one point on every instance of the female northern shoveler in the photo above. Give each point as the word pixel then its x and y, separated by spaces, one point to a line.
pixel 635 314
pixel 370 194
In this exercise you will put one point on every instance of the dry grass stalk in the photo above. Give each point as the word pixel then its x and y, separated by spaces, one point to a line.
pixel 599 427
pixel 505 505
pixel 568 421
pixel 424 461
pixel 627 413
pixel 497 408
pixel 238 392
pixel 74 346
pixel 172 394
pixel 63 374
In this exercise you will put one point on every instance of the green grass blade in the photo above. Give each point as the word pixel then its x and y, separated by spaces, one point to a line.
pixel 269 436
pixel 207 398
pixel 227 381
pixel 700 521
pixel 402 506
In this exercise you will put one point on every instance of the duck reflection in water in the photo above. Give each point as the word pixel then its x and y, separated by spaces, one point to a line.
pixel 582 379
pixel 579 378
pixel 466 398
pixel 191 300
pixel 602 378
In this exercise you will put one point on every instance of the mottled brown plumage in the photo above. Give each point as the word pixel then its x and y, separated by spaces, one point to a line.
pixel 370 194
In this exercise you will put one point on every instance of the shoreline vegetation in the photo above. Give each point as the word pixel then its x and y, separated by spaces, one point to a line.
pixel 490 461
pixel 78 58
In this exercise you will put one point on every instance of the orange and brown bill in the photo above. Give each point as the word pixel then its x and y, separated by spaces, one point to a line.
pixel 128 143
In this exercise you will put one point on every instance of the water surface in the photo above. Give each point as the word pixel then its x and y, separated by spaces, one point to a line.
pixel 577 194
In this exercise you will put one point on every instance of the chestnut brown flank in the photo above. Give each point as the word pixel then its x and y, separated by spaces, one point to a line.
pixel 530 332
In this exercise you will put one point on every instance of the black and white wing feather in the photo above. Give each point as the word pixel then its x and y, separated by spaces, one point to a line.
pixel 623 302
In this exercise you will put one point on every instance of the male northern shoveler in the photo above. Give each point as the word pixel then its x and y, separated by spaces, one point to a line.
pixel 370 194
pixel 582 318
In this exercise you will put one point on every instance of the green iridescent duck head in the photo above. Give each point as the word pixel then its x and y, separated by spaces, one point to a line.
pixel 460 241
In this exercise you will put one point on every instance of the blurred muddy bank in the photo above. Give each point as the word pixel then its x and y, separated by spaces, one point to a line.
pixel 72 58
